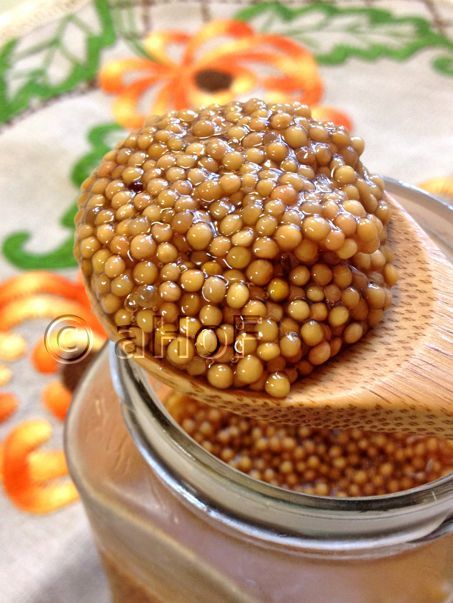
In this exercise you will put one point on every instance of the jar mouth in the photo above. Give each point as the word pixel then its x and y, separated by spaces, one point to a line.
pixel 417 495
pixel 263 510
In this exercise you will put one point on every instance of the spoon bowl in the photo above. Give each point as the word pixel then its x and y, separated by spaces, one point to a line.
pixel 398 378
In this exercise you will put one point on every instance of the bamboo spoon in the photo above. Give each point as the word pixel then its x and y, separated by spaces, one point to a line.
pixel 398 378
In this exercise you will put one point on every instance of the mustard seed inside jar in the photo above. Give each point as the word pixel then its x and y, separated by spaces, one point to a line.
pixel 323 462
pixel 281 228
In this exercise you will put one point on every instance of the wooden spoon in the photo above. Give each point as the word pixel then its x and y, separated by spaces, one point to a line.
pixel 398 378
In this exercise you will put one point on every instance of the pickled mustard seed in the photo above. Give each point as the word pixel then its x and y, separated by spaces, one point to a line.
pixel 202 218
pixel 324 462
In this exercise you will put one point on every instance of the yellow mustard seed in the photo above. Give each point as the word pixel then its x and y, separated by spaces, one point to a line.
pixel 277 385
pixel 252 223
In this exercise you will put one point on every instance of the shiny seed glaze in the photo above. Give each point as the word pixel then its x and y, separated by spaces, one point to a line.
pixel 230 219
pixel 324 462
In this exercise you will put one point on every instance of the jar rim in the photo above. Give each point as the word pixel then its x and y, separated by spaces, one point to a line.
pixel 258 508
pixel 417 495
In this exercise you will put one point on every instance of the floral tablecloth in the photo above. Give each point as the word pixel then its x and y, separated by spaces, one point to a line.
pixel 73 75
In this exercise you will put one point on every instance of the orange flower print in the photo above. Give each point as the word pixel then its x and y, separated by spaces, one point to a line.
pixel 224 61
pixel 442 187
pixel 57 399
pixel 8 406
pixel 28 472
pixel 31 476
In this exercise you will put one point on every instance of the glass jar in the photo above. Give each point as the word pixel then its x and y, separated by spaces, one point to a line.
pixel 174 524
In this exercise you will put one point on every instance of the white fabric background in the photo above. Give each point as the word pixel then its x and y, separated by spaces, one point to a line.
pixel 404 111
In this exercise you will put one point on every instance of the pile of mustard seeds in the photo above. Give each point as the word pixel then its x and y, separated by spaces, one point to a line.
pixel 244 244
pixel 324 462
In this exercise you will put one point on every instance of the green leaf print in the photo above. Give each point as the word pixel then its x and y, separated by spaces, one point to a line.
pixel 444 64
pixel 14 250
pixel 133 23
pixel 31 73
pixel 101 138
pixel 335 34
